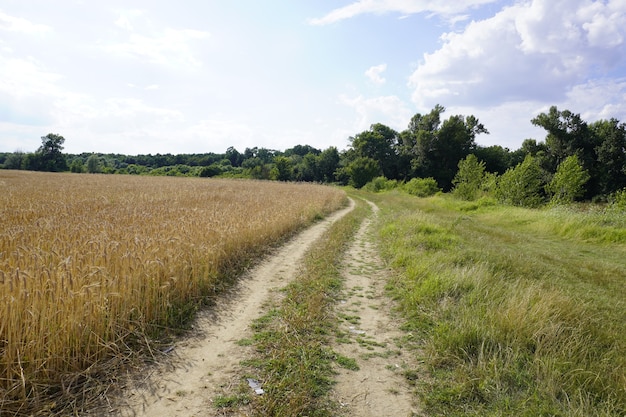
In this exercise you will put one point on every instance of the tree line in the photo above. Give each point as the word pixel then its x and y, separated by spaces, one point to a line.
pixel 431 152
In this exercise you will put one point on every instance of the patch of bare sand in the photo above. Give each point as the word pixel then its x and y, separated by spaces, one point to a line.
pixel 206 361
pixel 378 387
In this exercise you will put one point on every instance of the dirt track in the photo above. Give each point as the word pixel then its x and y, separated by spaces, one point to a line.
pixel 208 360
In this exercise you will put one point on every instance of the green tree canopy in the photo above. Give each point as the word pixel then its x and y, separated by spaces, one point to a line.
pixel 568 184
pixel 362 170
pixel 49 154
pixel 435 148
pixel 380 144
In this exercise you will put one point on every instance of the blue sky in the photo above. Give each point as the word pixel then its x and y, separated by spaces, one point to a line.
pixel 198 76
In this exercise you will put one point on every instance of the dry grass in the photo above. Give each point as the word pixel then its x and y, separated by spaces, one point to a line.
pixel 92 267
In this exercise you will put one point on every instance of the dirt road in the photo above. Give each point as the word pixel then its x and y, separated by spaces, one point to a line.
pixel 378 388
pixel 186 385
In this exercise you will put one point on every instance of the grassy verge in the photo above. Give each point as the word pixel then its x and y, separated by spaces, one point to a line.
pixel 295 362
pixel 518 312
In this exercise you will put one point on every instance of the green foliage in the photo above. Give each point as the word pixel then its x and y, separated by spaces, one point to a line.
pixel 379 184
pixel 14 160
pixel 469 178
pixel 611 139
pixel 618 199
pixel 522 185
pixel 568 184
pixel 175 171
pixel 49 154
pixel 282 169
pixel 435 148
pixel 210 171
pixel 421 187
pixel 93 164
pixel 378 143
pixel 362 170
pixel 328 162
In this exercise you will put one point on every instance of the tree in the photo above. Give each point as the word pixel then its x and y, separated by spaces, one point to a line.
pixel 77 166
pixel 567 135
pixel 14 160
pixel 496 158
pixel 50 156
pixel 282 169
pixel 522 185
pixel 611 151
pixel 93 164
pixel 327 164
pixel 380 144
pixel 469 178
pixel 234 156
pixel 435 149
pixel 569 181
pixel 362 170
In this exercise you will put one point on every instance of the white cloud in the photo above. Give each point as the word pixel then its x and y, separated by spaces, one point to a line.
pixel 388 110
pixel 446 8
pixel 598 99
pixel 18 24
pixel 171 47
pixel 532 51
pixel 374 73
pixel 147 41
pixel 127 18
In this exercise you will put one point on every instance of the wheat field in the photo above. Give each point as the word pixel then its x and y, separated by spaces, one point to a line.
pixel 94 267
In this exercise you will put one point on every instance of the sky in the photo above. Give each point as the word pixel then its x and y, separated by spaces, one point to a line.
pixel 196 76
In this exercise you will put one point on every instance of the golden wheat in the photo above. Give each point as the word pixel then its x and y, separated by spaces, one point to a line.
pixel 91 263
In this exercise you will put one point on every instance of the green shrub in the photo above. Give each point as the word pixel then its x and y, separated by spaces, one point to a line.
pixel 568 184
pixel 469 178
pixel 379 184
pixel 618 199
pixel 422 187
pixel 522 185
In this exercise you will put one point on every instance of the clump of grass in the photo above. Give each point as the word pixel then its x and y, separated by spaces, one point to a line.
pixel 347 363
pixel 97 271
pixel 516 317
pixel 231 401
pixel 297 364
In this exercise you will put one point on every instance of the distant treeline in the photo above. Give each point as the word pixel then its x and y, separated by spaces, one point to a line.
pixel 430 148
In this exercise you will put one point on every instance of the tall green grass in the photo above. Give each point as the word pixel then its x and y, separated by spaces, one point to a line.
pixel 518 312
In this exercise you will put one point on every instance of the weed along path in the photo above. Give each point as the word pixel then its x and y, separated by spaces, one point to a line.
pixel 369 334
pixel 185 386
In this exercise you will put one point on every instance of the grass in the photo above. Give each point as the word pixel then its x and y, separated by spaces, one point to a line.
pixel 97 271
pixel 295 361
pixel 517 312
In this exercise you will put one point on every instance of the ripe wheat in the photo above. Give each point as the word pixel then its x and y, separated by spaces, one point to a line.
pixel 91 265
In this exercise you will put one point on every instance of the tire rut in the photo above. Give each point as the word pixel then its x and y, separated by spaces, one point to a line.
pixel 369 334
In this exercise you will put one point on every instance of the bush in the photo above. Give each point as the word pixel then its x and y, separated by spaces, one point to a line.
pixel 210 171
pixel 469 178
pixel 522 185
pixel 362 170
pixel 379 184
pixel 618 199
pixel 422 187
pixel 569 181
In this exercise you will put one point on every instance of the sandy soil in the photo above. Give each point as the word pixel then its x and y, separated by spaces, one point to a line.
pixel 206 363
pixel 378 387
